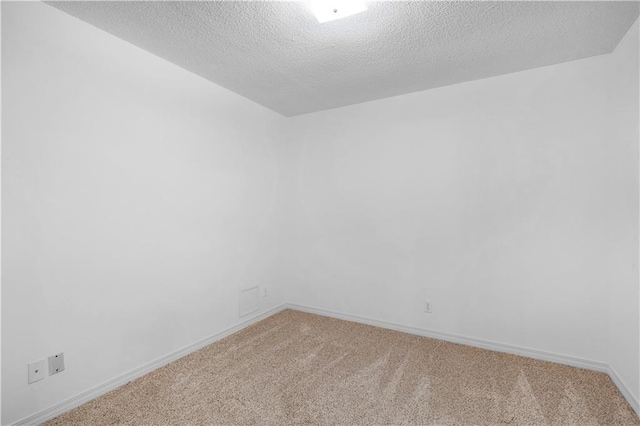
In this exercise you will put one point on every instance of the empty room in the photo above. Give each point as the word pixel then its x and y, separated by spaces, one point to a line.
pixel 320 213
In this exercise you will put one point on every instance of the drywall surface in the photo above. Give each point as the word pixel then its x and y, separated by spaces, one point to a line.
pixel 622 157
pixel 0 226
pixel 491 199
pixel 138 200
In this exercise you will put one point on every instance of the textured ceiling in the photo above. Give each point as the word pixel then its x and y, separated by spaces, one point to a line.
pixel 278 55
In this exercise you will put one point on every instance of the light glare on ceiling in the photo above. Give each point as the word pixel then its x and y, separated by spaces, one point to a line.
pixel 329 10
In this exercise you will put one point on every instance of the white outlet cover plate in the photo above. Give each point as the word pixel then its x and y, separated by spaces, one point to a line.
pixel 36 371
pixel 56 363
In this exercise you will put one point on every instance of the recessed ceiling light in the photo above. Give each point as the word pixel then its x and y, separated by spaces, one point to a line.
pixel 329 10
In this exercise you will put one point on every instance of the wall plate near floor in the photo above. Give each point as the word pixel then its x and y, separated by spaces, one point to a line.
pixel 56 364
pixel 249 301
pixel 36 371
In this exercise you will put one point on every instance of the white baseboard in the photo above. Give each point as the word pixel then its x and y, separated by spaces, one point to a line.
pixel 601 367
pixel 588 364
pixel 95 392
pixel 624 390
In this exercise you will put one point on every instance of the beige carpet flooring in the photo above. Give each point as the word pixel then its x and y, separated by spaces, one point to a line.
pixel 296 368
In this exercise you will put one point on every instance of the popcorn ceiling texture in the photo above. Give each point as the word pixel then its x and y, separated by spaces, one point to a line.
pixel 297 368
pixel 278 55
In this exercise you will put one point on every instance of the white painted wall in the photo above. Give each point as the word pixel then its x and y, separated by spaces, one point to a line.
pixel 623 284
pixel 0 219
pixel 138 199
pixel 500 200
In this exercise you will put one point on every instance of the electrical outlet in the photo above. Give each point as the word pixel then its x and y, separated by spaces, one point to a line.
pixel 36 371
pixel 265 292
pixel 427 306
pixel 56 364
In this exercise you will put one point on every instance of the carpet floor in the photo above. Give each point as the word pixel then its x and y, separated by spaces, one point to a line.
pixel 295 368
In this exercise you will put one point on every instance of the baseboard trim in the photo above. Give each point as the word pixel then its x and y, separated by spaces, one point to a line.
pixel 624 390
pixel 99 390
pixel 598 366
pixel 588 364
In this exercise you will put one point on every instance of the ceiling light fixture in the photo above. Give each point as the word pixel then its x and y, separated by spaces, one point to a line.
pixel 329 10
